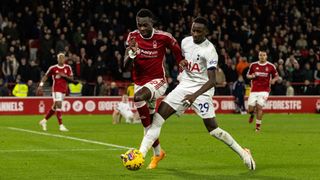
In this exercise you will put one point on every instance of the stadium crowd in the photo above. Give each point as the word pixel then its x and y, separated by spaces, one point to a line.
pixel 92 34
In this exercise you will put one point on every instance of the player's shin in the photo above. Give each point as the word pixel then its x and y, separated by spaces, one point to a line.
pixel 228 139
pixel 152 134
pixel 49 114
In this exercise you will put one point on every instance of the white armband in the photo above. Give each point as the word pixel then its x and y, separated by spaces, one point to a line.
pixel 41 84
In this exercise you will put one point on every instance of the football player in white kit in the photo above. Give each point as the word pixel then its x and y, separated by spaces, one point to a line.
pixel 124 109
pixel 195 90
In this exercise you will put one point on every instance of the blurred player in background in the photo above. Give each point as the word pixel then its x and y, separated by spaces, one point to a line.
pixel 124 109
pixel 146 53
pixel 195 89
pixel 61 73
pixel 261 73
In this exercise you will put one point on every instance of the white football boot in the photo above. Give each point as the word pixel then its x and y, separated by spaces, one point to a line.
pixel 43 124
pixel 248 159
pixel 63 128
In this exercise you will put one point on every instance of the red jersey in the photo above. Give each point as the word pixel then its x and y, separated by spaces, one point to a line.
pixel 263 73
pixel 59 83
pixel 149 62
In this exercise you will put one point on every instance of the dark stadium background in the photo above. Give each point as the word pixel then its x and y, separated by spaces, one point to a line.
pixel 92 34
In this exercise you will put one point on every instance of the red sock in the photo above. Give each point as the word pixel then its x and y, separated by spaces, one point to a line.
pixel 59 116
pixel 258 124
pixel 144 115
pixel 49 114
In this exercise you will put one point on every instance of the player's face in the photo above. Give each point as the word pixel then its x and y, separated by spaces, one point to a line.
pixel 145 26
pixel 262 56
pixel 198 32
pixel 61 59
pixel 125 98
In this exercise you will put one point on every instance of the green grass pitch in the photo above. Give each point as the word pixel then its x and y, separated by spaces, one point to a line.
pixel 286 148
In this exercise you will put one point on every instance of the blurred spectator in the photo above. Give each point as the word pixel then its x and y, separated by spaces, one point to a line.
pixel 221 88
pixel 89 75
pixel 4 91
pixel 114 90
pixel 75 89
pixel 242 64
pixel 290 90
pixel 307 73
pixel 20 89
pixel 130 90
pixel 35 72
pixel 100 89
pixel 317 74
pixel 32 88
pixel 307 88
pixel 10 68
pixel 279 88
pixel 24 70
pixel 238 91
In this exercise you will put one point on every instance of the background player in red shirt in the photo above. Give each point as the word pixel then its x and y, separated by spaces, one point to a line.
pixel 60 73
pixel 146 51
pixel 261 73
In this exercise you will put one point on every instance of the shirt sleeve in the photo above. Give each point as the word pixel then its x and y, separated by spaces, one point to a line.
pixel 211 58
pixel 49 72
pixel 274 72
pixel 250 71
pixel 175 48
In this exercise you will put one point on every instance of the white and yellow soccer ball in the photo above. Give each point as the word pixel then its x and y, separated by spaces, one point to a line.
pixel 132 159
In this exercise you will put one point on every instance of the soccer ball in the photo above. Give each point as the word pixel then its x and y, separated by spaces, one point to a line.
pixel 132 159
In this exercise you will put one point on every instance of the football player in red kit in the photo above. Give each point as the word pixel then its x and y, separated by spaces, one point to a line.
pixel 146 51
pixel 60 73
pixel 262 74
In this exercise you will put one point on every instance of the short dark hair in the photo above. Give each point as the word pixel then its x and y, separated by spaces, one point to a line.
pixel 263 49
pixel 145 13
pixel 201 20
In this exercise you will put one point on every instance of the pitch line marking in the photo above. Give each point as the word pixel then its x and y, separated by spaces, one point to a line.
pixel 70 137
pixel 53 150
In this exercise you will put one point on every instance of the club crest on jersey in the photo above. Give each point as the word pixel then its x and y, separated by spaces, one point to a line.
pixel 267 69
pixel 198 57
pixel 65 71
pixel 154 44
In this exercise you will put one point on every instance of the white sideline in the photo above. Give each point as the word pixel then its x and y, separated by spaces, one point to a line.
pixel 53 150
pixel 69 137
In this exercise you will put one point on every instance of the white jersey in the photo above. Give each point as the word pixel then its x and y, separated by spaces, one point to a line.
pixel 200 57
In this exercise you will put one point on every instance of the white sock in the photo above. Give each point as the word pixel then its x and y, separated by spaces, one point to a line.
pixel 152 134
pixel 157 150
pixel 228 139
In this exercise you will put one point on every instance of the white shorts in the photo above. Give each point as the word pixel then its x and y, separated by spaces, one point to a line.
pixel 203 105
pixel 157 88
pixel 58 96
pixel 258 98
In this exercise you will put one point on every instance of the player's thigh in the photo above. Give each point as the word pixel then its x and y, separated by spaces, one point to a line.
pixel 157 87
pixel 174 99
pixel 253 98
pixel 262 98
pixel 58 97
pixel 203 106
